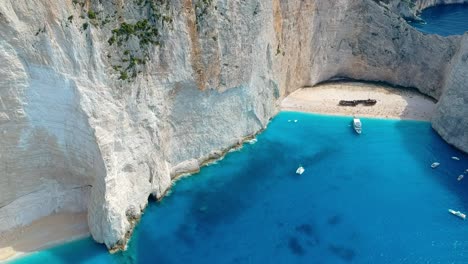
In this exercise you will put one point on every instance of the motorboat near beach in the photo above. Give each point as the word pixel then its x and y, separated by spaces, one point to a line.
pixel 300 170
pixel 455 158
pixel 357 125
pixel 460 177
pixel 367 102
pixel 435 165
pixel 457 213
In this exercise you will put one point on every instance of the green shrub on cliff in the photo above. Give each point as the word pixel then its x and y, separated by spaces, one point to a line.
pixel 91 14
pixel 146 32
pixel 201 10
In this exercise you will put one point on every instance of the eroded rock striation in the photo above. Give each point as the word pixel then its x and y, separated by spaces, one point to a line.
pixel 104 103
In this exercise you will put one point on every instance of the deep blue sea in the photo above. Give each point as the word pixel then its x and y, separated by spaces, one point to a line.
pixel 444 20
pixel 371 198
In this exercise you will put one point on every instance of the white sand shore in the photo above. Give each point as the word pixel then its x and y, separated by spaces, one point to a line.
pixel 42 233
pixel 391 102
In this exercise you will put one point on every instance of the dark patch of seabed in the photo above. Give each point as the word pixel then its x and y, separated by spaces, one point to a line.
pixel 371 198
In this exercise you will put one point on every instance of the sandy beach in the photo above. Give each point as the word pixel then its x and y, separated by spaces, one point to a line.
pixel 391 103
pixel 395 103
pixel 42 233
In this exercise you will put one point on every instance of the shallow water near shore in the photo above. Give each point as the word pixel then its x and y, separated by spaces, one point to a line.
pixel 371 198
pixel 444 20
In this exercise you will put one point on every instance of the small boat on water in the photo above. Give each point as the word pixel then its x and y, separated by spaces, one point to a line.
pixel 435 165
pixel 460 177
pixel 457 213
pixel 455 158
pixel 357 125
pixel 300 170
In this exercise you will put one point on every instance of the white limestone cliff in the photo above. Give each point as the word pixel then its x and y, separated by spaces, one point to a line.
pixel 75 137
pixel 451 117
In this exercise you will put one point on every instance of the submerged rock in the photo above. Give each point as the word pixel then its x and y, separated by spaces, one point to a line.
pixel 96 116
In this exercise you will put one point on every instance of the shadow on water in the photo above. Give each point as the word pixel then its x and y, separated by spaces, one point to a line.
pixel 305 238
pixel 222 199
pixel 222 204
pixel 344 253
pixel 334 220
pixel 310 234
pixel 435 150
pixel 218 203
pixel 209 206
pixel 295 247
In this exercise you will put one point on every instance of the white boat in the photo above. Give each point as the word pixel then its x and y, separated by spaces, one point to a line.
pixel 435 165
pixel 457 213
pixel 357 125
pixel 300 170
pixel 460 177
pixel 252 141
pixel 455 158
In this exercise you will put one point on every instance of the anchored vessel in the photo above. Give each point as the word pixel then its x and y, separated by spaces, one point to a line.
pixel 457 213
pixel 357 125
pixel 300 170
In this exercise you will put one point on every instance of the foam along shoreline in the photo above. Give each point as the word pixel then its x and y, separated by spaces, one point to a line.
pixel 43 233
pixel 395 103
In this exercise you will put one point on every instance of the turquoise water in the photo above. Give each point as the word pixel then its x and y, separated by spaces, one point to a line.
pixel 444 20
pixel 371 198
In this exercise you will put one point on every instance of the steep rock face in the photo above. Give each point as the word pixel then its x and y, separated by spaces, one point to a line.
pixel 451 117
pixel 48 153
pixel 375 44
pixel 100 109
pixel 88 136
